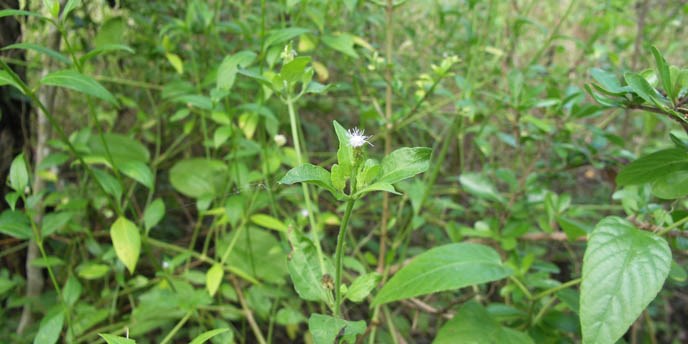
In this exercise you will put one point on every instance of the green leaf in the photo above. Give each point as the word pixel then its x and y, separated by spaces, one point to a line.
pixel 199 178
pixel 92 270
pixel 153 214
pixel 473 324
pixel 609 82
pixel 676 273
pixel 226 73
pixel 213 278
pixel 672 186
pixel 293 71
pixel 283 35
pixel 137 171
pixel 623 270
pixel 479 185
pixel 176 62
pixel 123 149
pixel 49 261
pixel 19 174
pixel 643 88
pixel 258 252
pixel 326 329
pixel 127 242
pixel 15 224
pixel 79 82
pixel 362 286
pixel 404 163
pixel 71 291
pixel 6 79
pixel 51 326
pixel 269 222
pixel 105 48
pixel 12 12
pixel 308 173
pixel 443 268
pixel 304 270
pixel 203 337
pixel 338 178
pixel 110 184
pixel 40 49
pixel 112 339
pixel 343 42
pixel 69 7
pixel 377 187
pixel 664 75
pixel 653 166
pixel 54 222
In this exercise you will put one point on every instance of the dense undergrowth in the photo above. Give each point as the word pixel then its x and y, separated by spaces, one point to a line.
pixel 521 176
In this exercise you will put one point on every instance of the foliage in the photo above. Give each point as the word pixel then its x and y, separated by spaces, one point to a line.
pixel 533 173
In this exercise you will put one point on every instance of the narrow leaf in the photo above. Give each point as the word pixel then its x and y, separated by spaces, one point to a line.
pixel 80 83
pixel 203 337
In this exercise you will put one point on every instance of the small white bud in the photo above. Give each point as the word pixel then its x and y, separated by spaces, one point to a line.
pixel 280 140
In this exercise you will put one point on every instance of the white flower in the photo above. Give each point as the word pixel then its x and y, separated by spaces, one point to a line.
pixel 304 212
pixel 280 140
pixel 356 138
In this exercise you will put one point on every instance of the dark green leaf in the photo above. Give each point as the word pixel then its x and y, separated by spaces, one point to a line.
pixel 663 72
pixel 110 184
pixel 653 166
pixel 199 178
pixel 15 224
pixel 106 48
pixel 671 186
pixel 304 270
pixel 326 329
pixel 308 173
pixel 623 270
pixel 443 268
pixel 137 171
pixel 40 49
pixel 153 214
pixel 473 324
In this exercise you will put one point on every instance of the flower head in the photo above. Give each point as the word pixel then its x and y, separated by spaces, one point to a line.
pixel 356 138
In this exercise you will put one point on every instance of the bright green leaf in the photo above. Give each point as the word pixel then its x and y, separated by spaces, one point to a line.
pixel 51 327
pixel 213 278
pixel 127 242
pixel 176 62
pixel 623 270
pixel 269 222
pixel 293 71
pixel 308 173
pixel 446 267
pixel 663 72
pixel 653 166
pixel 362 286
pixel 304 270
pixel 203 337
pixel 19 173
pixel 345 156
pixel 112 339
pixel 343 42
pixel 137 171
pixel 479 185
pixel 643 88
pixel 226 73
pixel 199 178
pixel 40 49
pixel 92 271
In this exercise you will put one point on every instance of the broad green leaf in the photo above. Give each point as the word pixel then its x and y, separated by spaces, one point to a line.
pixel 479 185
pixel 623 270
pixel 213 278
pixel 345 156
pixel 642 88
pixel 137 171
pixel 122 149
pixel 653 166
pixel 259 253
pixel 203 337
pixel 308 173
pixel 293 71
pixel 226 73
pixel 153 214
pixel 199 178
pixel 343 42
pixel 671 186
pixel 443 268
pixel 127 242
pixel 663 72
pixel 304 270
pixel 112 339
pixel 40 49
pixel 80 83
pixel 110 184
pixel 326 329
pixel 267 221
pixel 19 174
pixel 283 35
pixel 473 324
pixel 404 163
pixel 91 270
pixel 362 286
pixel 15 224
pixel 51 326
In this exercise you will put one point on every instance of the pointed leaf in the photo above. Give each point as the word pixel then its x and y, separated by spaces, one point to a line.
pixel 112 339
pixel 326 329
pixel 80 83
pixel 473 324
pixel 345 156
pixel 138 171
pixel 653 166
pixel 19 174
pixel 304 270
pixel 269 222
pixel 308 173
pixel 643 88
pixel 362 286
pixel 203 337
pixel 199 178
pixel 663 72
pixel 404 163
pixel 443 268
pixel 51 326
pixel 623 270
pixel 213 278
pixel 15 224
pixel 127 242
pixel 153 214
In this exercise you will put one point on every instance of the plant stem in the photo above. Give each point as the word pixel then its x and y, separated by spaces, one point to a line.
pixel 304 187
pixel 557 288
pixel 176 328
pixel 339 253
